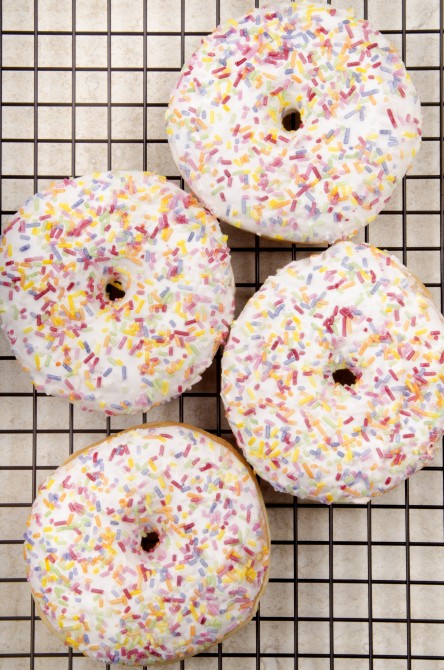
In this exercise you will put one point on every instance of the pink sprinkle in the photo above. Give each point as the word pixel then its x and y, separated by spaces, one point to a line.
pixel 392 118
pixel 389 393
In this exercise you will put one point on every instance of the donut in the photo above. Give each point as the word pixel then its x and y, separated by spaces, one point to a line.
pixel 229 122
pixel 101 592
pixel 116 290
pixel 333 376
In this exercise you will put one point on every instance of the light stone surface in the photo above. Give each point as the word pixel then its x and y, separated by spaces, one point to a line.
pixel 56 121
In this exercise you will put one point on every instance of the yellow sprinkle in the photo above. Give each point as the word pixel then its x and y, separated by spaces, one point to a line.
pixel 251 575
pixel 194 612
pixel 307 399
pixel 166 234
pixel 308 470
pixel 277 204
pixel 251 393
pixel 72 643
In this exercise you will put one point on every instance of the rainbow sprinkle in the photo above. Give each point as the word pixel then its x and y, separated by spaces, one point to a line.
pixel 351 308
pixel 361 122
pixel 63 250
pixel 105 596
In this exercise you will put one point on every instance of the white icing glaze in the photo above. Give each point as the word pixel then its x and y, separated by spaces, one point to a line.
pixel 105 596
pixel 360 112
pixel 352 307
pixel 57 257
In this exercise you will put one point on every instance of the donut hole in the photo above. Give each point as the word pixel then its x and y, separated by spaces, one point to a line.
pixel 149 541
pixel 291 119
pixel 344 376
pixel 114 290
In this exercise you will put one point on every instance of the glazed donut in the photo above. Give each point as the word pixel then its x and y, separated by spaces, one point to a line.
pixel 116 290
pixel 108 598
pixel 333 376
pixel 360 114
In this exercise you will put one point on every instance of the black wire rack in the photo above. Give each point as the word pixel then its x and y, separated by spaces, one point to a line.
pixel 85 85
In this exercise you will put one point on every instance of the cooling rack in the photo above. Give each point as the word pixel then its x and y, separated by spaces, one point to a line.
pixel 84 86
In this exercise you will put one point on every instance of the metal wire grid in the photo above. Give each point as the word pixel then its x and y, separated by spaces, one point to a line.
pixel 299 546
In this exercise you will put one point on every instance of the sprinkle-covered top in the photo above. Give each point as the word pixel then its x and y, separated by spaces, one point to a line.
pixel 333 376
pixel 107 597
pixel 360 114
pixel 60 257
